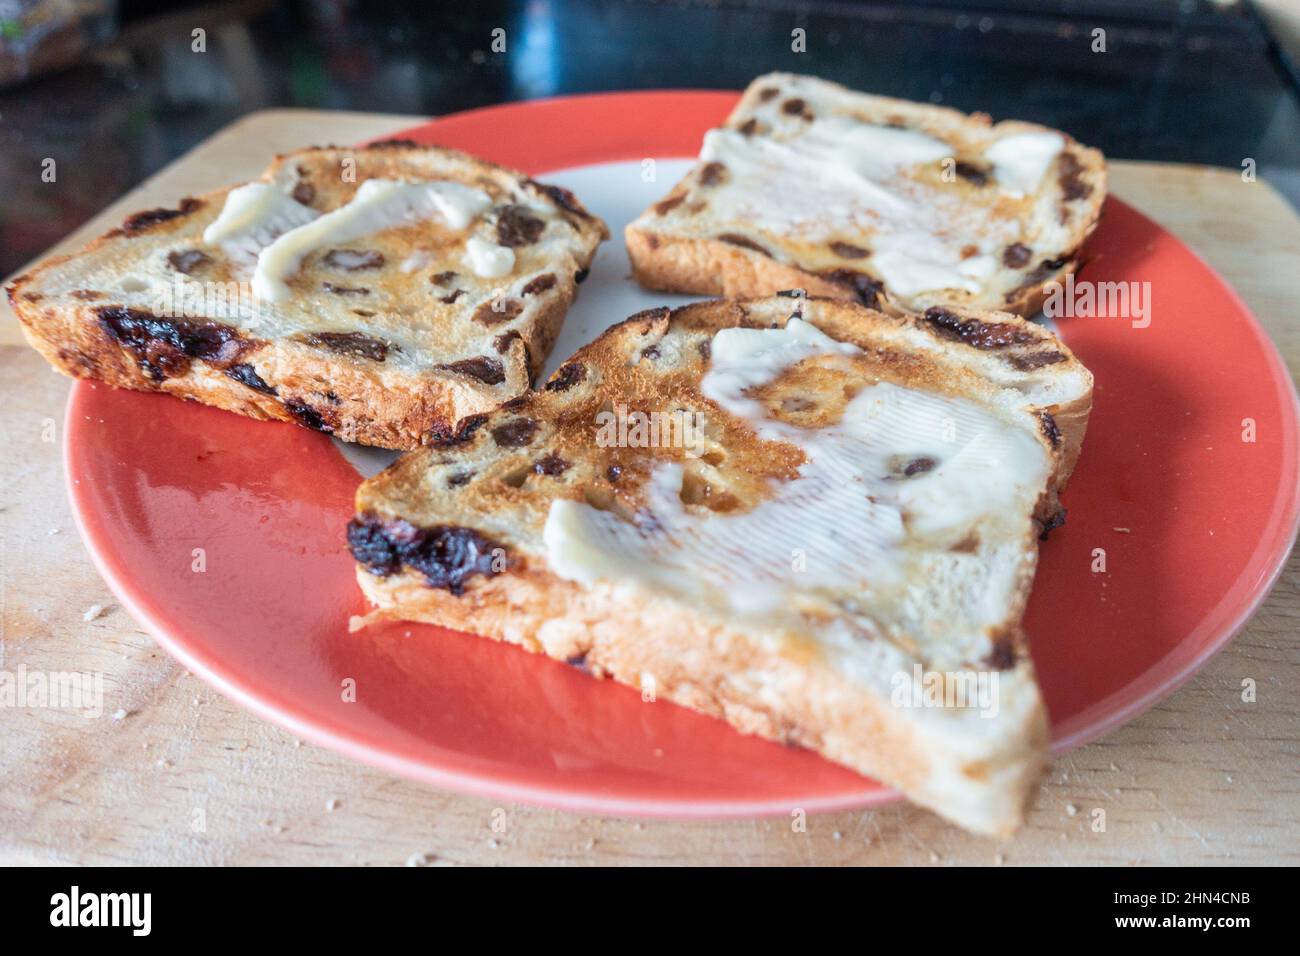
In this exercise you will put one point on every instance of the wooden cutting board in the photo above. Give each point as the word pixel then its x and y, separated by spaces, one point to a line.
pixel 174 773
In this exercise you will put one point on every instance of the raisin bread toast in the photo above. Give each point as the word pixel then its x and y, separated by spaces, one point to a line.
pixel 799 515
pixel 380 294
pixel 895 204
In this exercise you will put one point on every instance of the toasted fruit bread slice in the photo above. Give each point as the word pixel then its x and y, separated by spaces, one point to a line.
pixel 380 293
pixel 894 204
pixel 800 515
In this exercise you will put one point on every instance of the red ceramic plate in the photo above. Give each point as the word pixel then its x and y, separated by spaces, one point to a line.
pixel 224 536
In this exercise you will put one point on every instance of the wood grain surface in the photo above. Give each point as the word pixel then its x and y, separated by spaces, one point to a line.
pixel 1201 778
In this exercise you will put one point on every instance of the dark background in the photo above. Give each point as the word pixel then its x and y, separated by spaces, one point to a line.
pixel 1182 81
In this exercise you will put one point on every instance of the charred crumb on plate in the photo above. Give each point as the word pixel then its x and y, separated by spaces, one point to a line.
pixel 580 276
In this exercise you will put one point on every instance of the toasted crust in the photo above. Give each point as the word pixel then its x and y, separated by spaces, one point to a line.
pixel 500 496
pixel 675 250
pixel 396 374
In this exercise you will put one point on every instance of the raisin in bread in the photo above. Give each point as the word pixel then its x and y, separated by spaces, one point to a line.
pixel 799 515
pixel 894 204
pixel 380 293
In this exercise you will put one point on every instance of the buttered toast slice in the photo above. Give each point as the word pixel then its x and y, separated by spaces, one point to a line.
pixel 380 294
pixel 816 521
pixel 895 204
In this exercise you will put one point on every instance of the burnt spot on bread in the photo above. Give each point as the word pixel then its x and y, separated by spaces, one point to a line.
pixel 864 288
pixel 744 242
pixel 550 465
pixel 496 311
pixel 86 295
pixel 245 374
pixel 748 128
pixel 847 250
pixel 164 347
pixel 1035 360
pixel 665 206
pixel 487 370
pixel 976 332
pixel 146 220
pixel 187 260
pixel 515 433
pixel 458 478
pixel 452 296
pixel 539 284
pixel 650 353
pixel 517 226
pixel 447 555
pixel 566 376
pixel 305 414
pixel 1045 528
pixel 304 193
pixel 613 473
pixel 33 296
pixel 1051 431
pixel 768 93
pixel 580 276
pixel 564 199
pixel 356 344
pixel 1071 178
pixel 1041 272
pixel 353 260
pixel 705 348
pixel 713 174
pixel 1016 255
pixel 394 143
pixel 967 545
pixel 443 278
pixel 973 173
pixel 443 436
pixel 333 289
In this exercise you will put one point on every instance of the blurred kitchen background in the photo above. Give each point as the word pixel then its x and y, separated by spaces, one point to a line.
pixel 119 89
